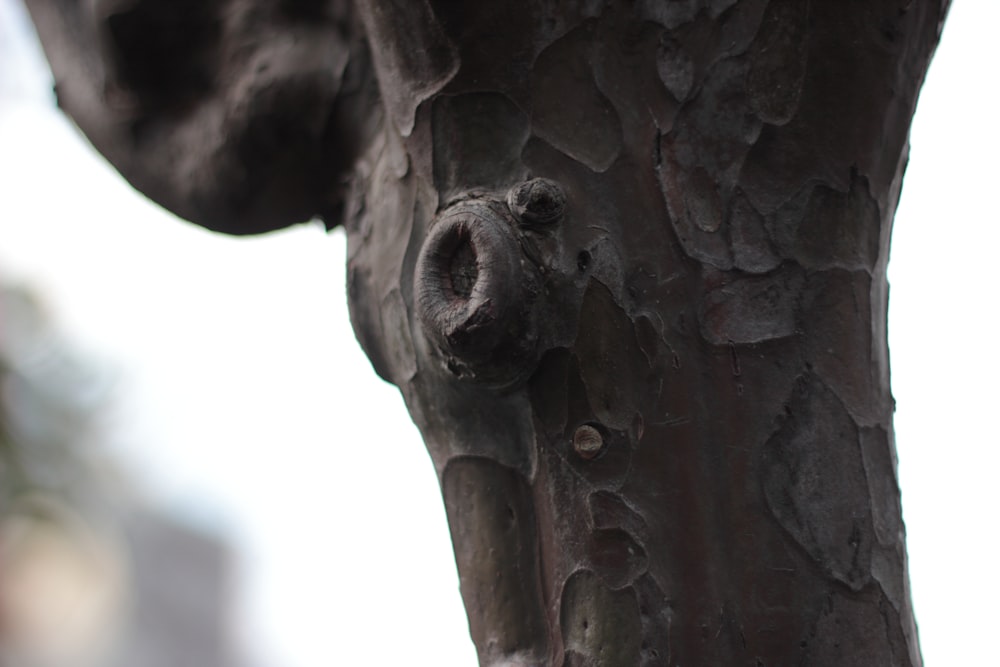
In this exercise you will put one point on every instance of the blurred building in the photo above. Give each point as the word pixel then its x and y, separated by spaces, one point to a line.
pixel 88 576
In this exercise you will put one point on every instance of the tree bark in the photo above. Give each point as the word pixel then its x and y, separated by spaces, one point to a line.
pixel 624 260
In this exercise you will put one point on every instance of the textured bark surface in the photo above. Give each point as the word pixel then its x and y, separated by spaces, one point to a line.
pixel 624 260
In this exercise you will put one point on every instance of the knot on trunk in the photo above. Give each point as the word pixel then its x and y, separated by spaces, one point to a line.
pixel 475 292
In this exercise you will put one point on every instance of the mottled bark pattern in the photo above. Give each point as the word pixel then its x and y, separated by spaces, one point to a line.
pixel 626 263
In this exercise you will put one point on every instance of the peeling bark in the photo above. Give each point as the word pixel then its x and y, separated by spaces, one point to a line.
pixel 625 262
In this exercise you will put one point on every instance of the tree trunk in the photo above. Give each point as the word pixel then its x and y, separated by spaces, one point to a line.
pixel 626 263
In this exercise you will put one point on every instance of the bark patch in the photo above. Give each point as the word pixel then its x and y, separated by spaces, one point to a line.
pixel 413 56
pixel 600 626
pixel 587 130
pixel 814 482
pixel 478 139
pixel 855 632
pixel 752 309
pixel 700 162
pixel 751 245
pixel 779 57
pixel 610 358
pixel 616 557
pixel 837 320
pixel 398 339
pixel 824 228
pixel 492 521
pixel 878 452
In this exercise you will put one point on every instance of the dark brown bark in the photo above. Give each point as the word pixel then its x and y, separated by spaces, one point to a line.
pixel 626 263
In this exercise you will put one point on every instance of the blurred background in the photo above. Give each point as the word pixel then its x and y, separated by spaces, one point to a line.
pixel 198 466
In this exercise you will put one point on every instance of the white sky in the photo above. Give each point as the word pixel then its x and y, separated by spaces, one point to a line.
pixel 249 407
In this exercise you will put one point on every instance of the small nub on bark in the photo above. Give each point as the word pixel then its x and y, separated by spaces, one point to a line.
pixel 588 442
